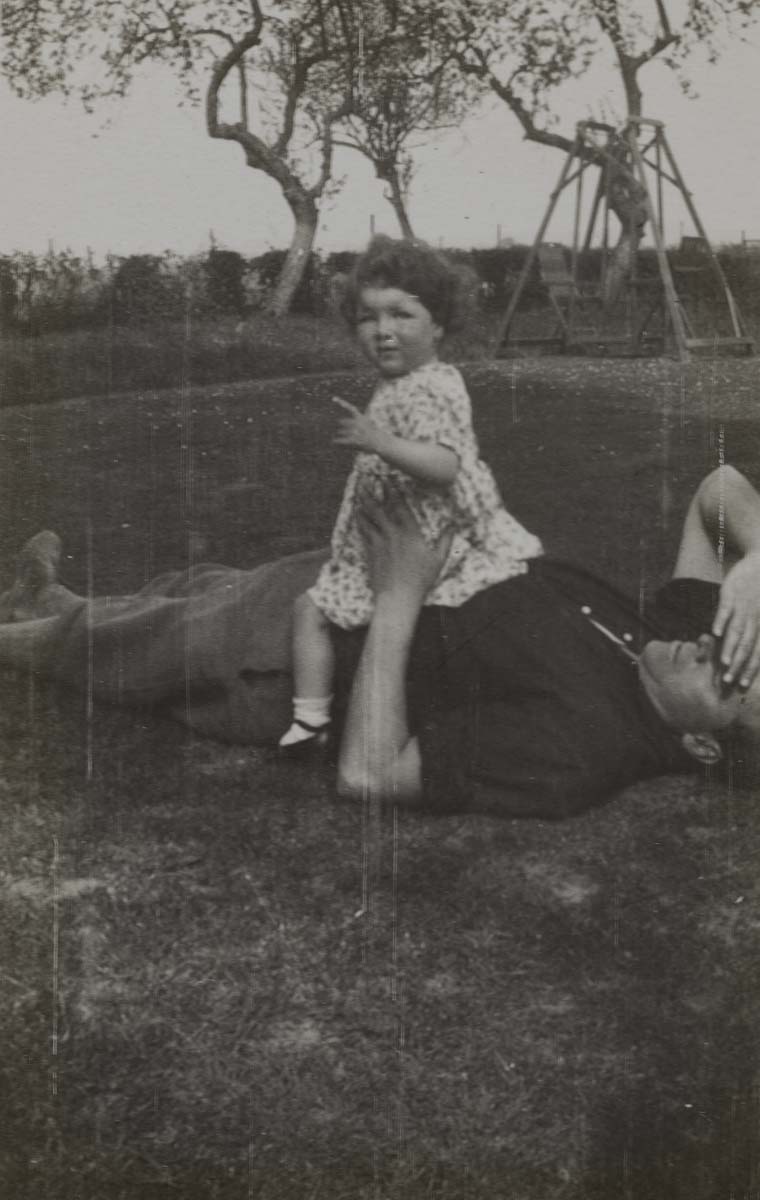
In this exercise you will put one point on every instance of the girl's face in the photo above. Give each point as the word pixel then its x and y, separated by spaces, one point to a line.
pixel 395 330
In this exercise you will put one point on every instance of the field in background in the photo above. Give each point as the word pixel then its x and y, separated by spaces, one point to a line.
pixel 193 1005
pixel 69 328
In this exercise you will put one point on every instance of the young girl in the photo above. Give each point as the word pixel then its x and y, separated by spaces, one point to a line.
pixel 416 435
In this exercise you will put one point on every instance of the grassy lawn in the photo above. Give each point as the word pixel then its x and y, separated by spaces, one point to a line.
pixel 194 1006
pixel 103 361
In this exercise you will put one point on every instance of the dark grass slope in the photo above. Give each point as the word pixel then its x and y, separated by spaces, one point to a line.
pixel 195 1004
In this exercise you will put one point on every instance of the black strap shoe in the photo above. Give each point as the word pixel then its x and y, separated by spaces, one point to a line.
pixel 315 748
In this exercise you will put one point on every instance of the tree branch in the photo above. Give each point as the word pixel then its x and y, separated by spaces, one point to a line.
pixel 662 12
pixel 230 62
pixel 331 119
pixel 532 132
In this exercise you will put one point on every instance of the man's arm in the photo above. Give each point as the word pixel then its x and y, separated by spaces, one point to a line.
pixel 378 757
pixel 721 544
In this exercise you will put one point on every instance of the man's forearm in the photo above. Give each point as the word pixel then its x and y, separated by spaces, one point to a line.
pixel 378 758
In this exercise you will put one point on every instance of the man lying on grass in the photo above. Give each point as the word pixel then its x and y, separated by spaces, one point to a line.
pixel 540 696
pixel 544 695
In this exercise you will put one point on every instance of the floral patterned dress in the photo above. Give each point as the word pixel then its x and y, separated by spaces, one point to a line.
pixel 430 404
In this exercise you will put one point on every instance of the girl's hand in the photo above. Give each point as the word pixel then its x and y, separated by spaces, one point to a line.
pixel 358 431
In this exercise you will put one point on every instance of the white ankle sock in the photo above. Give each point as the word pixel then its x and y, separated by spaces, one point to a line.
pixel 314 710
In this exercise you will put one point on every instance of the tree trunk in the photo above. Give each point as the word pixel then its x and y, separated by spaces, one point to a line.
pixel 387 170
pixel 396 198
pixel 626 200
pixel 625 194
pixel 306 217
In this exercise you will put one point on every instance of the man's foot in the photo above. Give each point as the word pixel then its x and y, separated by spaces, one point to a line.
pixel 35 590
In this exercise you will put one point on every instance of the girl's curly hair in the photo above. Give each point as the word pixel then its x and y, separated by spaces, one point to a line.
pixel 413 267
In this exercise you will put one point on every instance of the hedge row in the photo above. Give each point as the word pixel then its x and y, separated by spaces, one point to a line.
pixel 61 291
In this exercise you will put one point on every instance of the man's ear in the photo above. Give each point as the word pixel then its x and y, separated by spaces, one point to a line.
pixel 704 747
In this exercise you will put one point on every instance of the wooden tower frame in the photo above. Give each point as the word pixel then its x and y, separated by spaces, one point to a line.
pixel 649 157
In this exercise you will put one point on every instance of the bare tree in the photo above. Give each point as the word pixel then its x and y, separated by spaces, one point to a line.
pixel 291 55
pixel 269 62
pixel 379 130
pixel 399 100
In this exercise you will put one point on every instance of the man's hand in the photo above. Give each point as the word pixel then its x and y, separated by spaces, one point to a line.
pixel 400 560
pixel 737 621
pixel 358 431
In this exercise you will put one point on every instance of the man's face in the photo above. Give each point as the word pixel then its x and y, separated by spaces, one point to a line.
pixel 683 681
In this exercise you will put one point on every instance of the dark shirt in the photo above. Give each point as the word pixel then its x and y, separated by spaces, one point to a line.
pixel 522 707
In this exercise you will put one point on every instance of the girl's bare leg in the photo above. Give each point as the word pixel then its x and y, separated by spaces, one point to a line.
pixel 313 668
pixel 313 659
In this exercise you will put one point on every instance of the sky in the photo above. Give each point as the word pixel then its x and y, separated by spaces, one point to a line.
pixel 150 179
